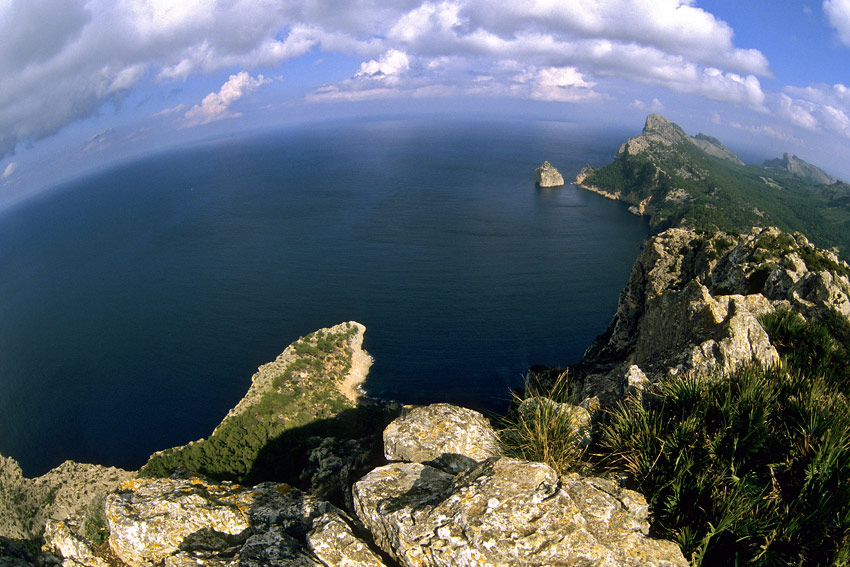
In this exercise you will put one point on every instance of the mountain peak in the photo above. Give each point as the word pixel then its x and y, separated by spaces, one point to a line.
pixel 801 169
pixel 659 127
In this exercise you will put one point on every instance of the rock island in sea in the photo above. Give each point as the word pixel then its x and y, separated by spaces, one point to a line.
pixel 548 175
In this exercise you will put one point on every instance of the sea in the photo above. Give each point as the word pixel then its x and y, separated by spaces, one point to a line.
pixel 136 303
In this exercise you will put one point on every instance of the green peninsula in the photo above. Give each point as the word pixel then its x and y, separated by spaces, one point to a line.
pixel 677 180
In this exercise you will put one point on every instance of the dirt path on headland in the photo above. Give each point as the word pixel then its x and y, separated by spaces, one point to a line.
pixel 360 364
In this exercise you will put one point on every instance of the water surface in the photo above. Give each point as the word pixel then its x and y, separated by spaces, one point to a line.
pixel 136 304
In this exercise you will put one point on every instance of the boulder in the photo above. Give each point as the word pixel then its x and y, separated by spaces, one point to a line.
pixel 426 433
pixel 61 540
pixel 506 512
pixel 196 521
pixel 549 176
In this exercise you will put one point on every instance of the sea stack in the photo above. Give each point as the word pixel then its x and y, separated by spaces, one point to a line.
pixel 549 176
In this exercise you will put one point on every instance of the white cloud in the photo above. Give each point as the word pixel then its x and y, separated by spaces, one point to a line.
pixel 390 64
pixel 216 106
pixel 10 169
pixel 838 12
pixel 654 106
pixel 817 107
pixel 168 111
pixel 767 130
pixel 63 60
pixel 560 84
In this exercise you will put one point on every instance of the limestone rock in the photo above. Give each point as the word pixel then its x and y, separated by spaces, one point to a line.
pixel 506 512
pixel 62 540
pixel 71 490
pixel 693 330
pixel 151 519
pixel 549 176
pixel 693 300
pixel 425 433
pixel 334 543
pixel 182 522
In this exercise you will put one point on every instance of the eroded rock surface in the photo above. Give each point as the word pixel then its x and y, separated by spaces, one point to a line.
pixel 429 432
pixel 549 176
pixel 506 512
pixel 199 522
pixel 70 491
pixel 692 305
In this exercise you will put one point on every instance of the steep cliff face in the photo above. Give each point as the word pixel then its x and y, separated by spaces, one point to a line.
pixel 442 493
pixel 799 168
pixel 548 176
pixel 676 180
pixel 70 491
pixel 693 300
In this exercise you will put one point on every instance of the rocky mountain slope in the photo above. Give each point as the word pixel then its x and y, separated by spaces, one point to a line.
pixel 440 490
pixel 676 180
pixel 693 300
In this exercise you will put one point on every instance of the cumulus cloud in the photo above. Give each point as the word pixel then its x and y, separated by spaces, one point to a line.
pixel 63 60
pixel 10 169
pixel 216 106
pixel 654 106
pixel 838 13
pixel 387 68
pixel 767 130
pixel 817 107
pixel 667 42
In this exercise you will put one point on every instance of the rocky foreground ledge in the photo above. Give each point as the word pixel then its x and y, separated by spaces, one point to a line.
pixel 312 481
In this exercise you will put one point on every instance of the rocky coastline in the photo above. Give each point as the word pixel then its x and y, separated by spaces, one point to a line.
pixel 428 485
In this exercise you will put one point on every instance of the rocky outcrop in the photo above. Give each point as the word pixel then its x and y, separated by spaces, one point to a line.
pixel 312 383
pixel 692 305
pixel 658 132
pixel 503 511
pixel 548 176
pixel 195 521
pixel 72 491
pixel 801 169
pixel 440 430
pixel 714 147
pixel 357 362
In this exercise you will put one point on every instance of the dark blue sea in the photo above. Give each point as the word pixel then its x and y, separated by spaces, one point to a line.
pixel 135 304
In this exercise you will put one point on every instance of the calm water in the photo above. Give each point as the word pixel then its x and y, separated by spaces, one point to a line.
pixel 136 304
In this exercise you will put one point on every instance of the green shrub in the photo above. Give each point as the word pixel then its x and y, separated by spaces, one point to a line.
pixel 742 471
pixel 819 349
pixel 542 431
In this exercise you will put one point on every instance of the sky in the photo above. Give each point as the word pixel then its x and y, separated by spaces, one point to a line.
pixel 87 83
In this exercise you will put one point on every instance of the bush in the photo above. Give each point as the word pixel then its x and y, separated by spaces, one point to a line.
pixel 543 429
pixel 744 471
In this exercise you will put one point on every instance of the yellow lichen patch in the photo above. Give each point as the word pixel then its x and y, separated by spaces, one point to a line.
pixel 132 484
pixel 283 489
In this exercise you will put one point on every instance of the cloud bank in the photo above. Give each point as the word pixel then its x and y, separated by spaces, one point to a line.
pixel 64 60
pixel 216 106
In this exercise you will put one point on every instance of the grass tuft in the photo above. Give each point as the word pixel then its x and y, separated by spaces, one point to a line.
pixel 547 428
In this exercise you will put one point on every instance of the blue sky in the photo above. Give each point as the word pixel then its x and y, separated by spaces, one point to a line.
pixel 84 83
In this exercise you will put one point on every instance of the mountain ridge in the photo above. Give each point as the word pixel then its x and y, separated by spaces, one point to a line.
pixel 676 180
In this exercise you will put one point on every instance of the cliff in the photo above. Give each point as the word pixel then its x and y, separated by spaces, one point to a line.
pixel 548 176
pixel 799 168
pixel 693 301
pixel 676 180
pixel 304 472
